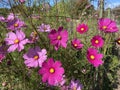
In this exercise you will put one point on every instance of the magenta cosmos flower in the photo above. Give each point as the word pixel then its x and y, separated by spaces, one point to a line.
pixel 58 38
pixel 94 57
pixel 107 25
pixel 82 28
pixel 52 72
pixel 44 28
pixel 16 40
pixel 76 43
pixel 97 41
pixel 75 85
pixel 35 57
pixel 15 24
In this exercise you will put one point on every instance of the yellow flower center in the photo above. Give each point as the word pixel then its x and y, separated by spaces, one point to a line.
pixel 52 70
pixel 36 57
pixel 16 25
pixel 34 34
pixel 104 27
pixel 45 28
pixel 118 41
pixel 16 41
pixel 74 88
pixel 92 57
pixel 82 29
pixel 59 37
pixel 75 45
pixel 96 41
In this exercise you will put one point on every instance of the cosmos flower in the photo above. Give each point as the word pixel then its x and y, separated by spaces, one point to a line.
pixel 97 41
pixel 76 43
pixel 10 17
pixel 15 24
pixel 16 40
pixel 2 19
pixel 94 57
pixel 82 28
pixel 44 28
pixel 107 25
pixel 52 72
pixel 58 38
pixel 22 1
pixel 75 85
pixel 35 57
pixel 33 37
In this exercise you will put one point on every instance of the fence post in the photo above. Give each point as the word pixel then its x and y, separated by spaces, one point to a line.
pixel 101 8
pixel 109 12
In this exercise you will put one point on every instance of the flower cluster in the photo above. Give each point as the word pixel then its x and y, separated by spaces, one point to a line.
pixel 51 70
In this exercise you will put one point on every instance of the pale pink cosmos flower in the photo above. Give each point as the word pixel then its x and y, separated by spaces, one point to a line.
pixel 44 28
pixel 10 17
pixel 16 40
pixel 107 25
pixel 33 37
pixel 58 38
pixel 35 57
pixel 52 72
pixel 97 41
pixel 2 19
pixel 75 85
pixel 94 57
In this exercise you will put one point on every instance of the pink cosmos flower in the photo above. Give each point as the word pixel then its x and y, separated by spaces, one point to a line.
pixel 94 57
pixel 22 1
pixel 44 28
pixel 10 17
pixel 16 40
pixel 76 43
pixel 107 25
pixel 2 19
pixel 97 41
pixel 58 38
pixel 75 85
pixel 33 37
pixel 52 72
pixel 15 24
pixel 35 57
pixel 82 28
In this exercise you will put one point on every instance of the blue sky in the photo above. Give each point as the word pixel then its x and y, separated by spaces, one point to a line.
pixel 108 3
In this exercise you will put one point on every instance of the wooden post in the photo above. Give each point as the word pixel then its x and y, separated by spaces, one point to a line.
pixel 109 12
pixel 101 8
